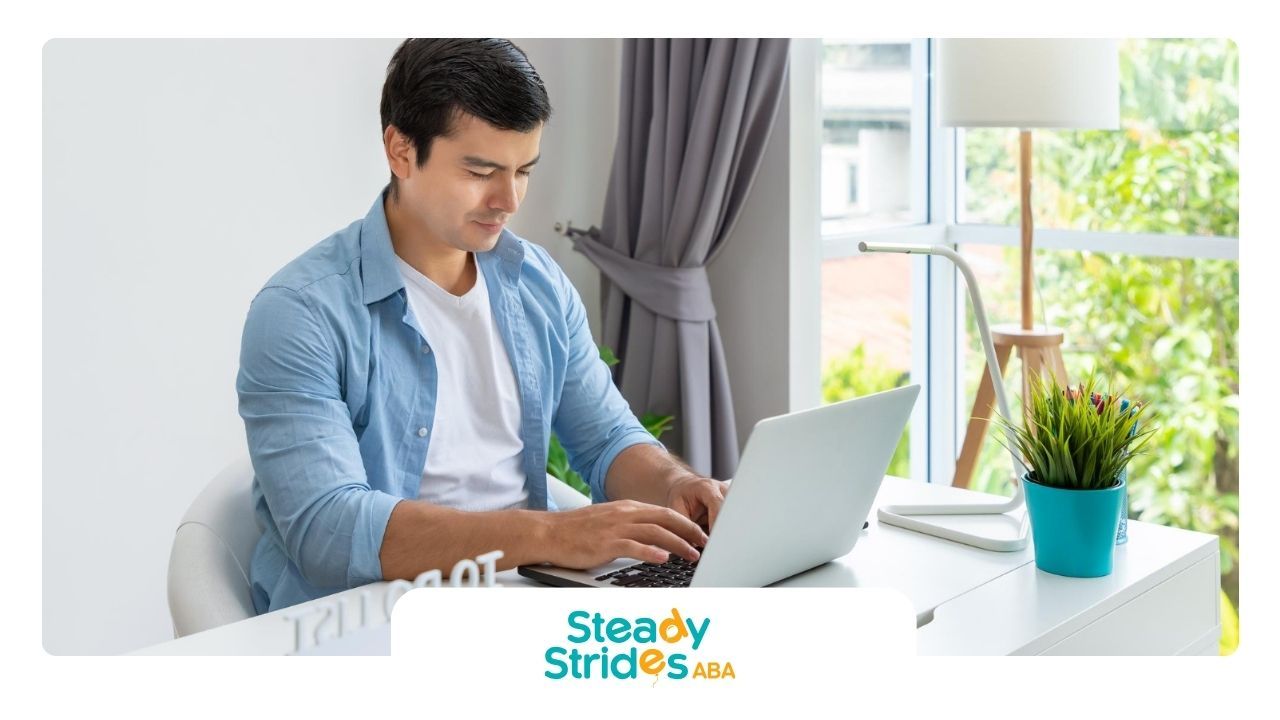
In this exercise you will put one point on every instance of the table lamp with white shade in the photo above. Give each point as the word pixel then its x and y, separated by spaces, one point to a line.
pixel 1022 83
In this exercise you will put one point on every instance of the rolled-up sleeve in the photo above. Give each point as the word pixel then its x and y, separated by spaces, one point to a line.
pixel 593 420
pixel 305 453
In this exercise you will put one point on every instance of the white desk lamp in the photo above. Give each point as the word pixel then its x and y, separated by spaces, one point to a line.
pixel 901 515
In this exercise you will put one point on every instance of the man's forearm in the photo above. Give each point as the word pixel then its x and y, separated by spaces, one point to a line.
pixel 421 536
pixel 644 472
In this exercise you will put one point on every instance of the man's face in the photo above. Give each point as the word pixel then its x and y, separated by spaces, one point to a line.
pixel 470 187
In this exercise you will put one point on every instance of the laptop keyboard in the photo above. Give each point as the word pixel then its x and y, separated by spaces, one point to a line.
pixel 675 572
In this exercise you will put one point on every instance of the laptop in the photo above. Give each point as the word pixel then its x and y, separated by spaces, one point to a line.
pixel 805 485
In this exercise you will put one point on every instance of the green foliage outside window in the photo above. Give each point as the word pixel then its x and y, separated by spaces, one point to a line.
pixel 856 374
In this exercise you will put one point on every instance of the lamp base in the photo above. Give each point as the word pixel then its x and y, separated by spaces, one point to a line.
pixel 986 530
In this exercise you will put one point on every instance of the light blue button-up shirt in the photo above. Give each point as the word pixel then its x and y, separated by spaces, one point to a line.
pixel 337 389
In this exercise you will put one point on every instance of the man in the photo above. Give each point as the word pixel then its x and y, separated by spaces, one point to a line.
pixel 399 380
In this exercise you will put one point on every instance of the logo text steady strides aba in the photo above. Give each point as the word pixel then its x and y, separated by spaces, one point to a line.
pixel 602 648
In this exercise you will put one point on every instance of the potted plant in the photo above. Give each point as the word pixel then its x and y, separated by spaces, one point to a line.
pixel 1076 444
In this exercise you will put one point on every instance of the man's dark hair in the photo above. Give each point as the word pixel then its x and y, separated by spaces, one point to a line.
pixel 430 81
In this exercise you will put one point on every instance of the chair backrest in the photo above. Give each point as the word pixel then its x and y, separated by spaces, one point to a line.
pixel 209 561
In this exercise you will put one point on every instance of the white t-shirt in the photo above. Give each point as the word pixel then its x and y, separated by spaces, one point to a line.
pixel 473 458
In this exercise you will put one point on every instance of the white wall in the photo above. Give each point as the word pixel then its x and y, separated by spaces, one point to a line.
pixel 570 180
pixel 178 175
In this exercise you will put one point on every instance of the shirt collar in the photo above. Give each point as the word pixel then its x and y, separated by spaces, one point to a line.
pixel 378 266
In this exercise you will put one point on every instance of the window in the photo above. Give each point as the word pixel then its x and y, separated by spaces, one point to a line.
pixel 873 170
pixel 868 92
pixel 1153 316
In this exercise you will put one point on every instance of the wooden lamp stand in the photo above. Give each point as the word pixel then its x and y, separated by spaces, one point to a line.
pixel 1039 347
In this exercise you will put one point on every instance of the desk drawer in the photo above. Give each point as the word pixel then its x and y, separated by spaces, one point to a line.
pixel 1166 620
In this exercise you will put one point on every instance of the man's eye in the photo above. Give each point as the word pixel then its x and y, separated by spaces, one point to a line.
pixel 525 173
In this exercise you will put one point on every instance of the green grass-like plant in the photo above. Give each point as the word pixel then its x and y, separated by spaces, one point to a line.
pixel 1077 438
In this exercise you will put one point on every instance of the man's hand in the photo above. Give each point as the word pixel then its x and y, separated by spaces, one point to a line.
pixel 697 498
pixel 597 534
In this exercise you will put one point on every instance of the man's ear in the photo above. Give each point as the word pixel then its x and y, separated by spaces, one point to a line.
pixel 400 152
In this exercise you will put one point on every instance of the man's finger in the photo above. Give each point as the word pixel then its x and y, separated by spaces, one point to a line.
pixel 641 551
pixel 677 523
pixel 714 498
pixel 651 534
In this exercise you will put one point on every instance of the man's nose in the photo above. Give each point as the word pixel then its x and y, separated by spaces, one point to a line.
pixel 506 196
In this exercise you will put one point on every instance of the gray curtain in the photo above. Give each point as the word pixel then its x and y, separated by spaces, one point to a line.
pixel 695 117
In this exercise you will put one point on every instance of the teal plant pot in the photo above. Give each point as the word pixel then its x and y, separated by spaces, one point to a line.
pixel 1074 531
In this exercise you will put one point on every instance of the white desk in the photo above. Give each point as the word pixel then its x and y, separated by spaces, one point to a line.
pixel 1161 598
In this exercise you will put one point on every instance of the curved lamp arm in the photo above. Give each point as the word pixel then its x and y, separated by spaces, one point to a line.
pixel 898 514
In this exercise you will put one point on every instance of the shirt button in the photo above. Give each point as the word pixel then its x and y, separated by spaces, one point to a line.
pixel 425 349
pixel 422 432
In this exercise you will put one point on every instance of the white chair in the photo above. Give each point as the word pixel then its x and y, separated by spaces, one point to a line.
pixel 209 561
